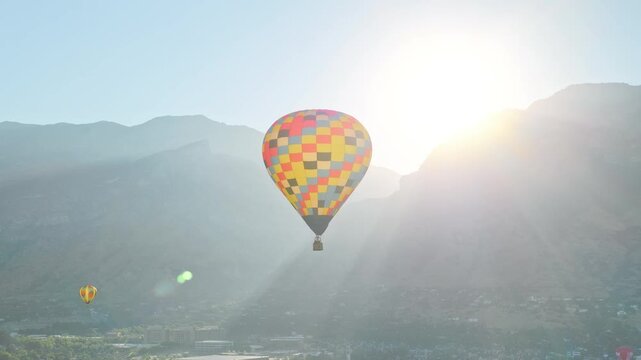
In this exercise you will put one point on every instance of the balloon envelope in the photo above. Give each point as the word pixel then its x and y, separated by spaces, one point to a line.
pixel 88 293
pixel 317 158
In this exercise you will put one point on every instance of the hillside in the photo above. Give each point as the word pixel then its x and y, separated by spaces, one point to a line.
pixel 129 225
pixel 130 228
pixel 524 223
pixel 528 206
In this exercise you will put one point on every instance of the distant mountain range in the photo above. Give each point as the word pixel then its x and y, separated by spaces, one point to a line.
pixel 37 149
pixel 129 208
pixel 540 203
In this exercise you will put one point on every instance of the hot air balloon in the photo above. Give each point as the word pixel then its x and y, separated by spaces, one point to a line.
pixel 624 353
pixel 88 293
pixel 317 158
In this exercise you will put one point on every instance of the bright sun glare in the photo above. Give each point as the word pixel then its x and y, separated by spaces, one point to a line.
pixel 435 88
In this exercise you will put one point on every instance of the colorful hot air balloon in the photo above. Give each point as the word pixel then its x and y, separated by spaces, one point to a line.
pixel 624 353
pixel 88 293
pixel 317 158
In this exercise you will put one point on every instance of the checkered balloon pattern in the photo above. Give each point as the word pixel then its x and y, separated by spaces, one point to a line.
pixel 316 158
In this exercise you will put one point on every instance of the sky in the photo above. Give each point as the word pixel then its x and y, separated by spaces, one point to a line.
pixel 413 72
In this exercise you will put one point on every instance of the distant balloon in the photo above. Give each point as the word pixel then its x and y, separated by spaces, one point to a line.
pixel 624 353
pixel 88 293
pixel 317 158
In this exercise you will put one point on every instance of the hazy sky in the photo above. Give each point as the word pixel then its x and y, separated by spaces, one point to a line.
pixel 412 71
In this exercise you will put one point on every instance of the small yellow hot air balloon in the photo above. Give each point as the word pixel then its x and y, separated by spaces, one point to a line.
pixel 317 158
pixel 88 293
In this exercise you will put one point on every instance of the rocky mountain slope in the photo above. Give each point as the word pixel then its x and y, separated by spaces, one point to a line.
pixel 537 204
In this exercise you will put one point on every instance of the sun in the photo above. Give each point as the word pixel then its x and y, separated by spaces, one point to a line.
pixel 434 88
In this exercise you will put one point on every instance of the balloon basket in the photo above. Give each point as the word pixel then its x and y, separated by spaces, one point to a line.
pixel 318 245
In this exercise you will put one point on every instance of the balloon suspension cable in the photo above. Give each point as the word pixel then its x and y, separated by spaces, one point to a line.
pixel 318 245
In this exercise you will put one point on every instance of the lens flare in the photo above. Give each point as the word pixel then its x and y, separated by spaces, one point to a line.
pixel 184 277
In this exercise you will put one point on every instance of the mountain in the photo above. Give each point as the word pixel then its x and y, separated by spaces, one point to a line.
pixel 531 221
pixel 531 208
pixel 33 150
pixel 379 183
pixel 130 223
pixel 130 228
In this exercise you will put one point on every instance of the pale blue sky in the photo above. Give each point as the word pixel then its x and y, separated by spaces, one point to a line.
pixel 249 62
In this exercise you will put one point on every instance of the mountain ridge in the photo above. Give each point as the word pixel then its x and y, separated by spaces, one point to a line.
pixel 529 205
pixel 31 150
pixel 526 206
